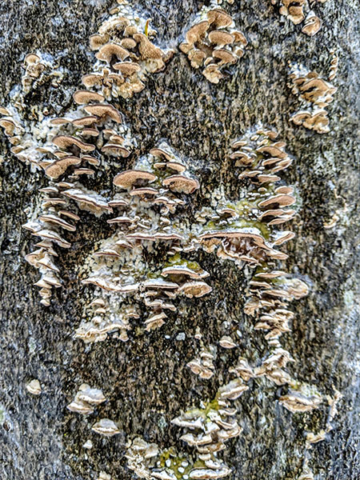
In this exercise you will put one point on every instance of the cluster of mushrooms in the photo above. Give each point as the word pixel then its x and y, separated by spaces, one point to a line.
pixel 207 429
pixel 67 157
pixel 315 94
pixel 125 54
pixel 37 71
pixel 149 195
pixel 294 11
pixel 213 43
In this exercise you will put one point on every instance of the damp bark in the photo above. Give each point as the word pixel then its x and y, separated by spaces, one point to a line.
pixel 145 379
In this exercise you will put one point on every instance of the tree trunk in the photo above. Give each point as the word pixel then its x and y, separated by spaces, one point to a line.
pixel 146 380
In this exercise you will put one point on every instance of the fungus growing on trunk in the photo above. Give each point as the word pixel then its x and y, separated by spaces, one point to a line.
pixel 212 43
pixel 315 95
pixel 125 45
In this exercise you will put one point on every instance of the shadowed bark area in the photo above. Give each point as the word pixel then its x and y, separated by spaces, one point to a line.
pixel 145 379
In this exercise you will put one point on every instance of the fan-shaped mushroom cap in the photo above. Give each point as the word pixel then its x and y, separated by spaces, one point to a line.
pixel 67 141
pixel 84 96
pixel 31 59
pixel 197 32
pixel 225 57
pixel 34 387
pixel 146 48
pixel 221 38
pixel 155 321
pixel 280 200
pixel 89 198
pixel 219 18
pixel 94 396
pixel 162 152
pixel 110 50
pixel 212 73
pixel 97 41
pixel 144 191
pixel 128 43
pixel 106 427
pixel 115 150
pixel 128 178
pixel 181 184
pixel 312 25
pixel 184 270
pixel 60 166
pixel 60 121
pixel 9 125
pixel 92 80
pixel 50 218
pixel 127 68
pixel 195 289
pixel 104 111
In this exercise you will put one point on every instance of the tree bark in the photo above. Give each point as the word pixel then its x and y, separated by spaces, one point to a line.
pixel 146 380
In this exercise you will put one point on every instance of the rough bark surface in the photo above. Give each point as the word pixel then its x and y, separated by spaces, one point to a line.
pixel 146 379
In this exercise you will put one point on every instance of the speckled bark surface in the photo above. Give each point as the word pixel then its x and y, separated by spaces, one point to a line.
pixel 146 379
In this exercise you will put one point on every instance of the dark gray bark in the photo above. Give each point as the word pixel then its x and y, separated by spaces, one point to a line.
pixel 146 378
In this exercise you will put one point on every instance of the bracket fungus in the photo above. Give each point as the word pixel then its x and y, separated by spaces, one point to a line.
pixel 39 70
pixel 34 387
pixel 148 198
pixel 207 429
pixel 298 12
pixel 126 54
pixel 213 43
pixel 315 95
pixel 86 400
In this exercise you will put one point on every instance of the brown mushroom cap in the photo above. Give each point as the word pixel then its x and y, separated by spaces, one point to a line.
pixel 84 96
pixel 127 68
pixel 49 218
pixel 9 125
pixel 312 25
pixel 128 43
pixel 212 73
pixel 195 289
pixel 221 38
pixel 146 48
pixel 60 166
pixel 97 41
pixel 66 141
pixel 219 18
pixel 60 121
pixel 115 150
pixel 196 32
pixel 85 121
pixel 226 57
pixel 104 111
pixel 110 50
pixel 31 59
pixel 181 184
pixel 128 178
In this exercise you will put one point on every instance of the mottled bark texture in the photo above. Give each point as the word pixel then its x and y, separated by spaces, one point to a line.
pixel 145 379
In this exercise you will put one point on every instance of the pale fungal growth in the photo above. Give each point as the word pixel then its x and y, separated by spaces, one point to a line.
pixel 203 365
pixel 34 387
pixel 106 427
pixel 104 476
pixel 295 12
pixel 296 401
pixel 213 43
pixel 315 95
pixel 67 153
pixel 207 429
pixel 227 342
pixel 39 70
pixel 86 400
pixel 148 197
pixel 126 54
